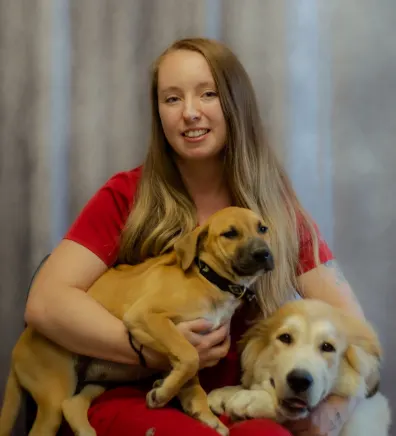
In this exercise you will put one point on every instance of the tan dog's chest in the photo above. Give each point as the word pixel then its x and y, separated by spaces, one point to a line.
pixel 158 288
pixel 223 311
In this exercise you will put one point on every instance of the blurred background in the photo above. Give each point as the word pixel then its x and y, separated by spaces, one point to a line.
pixel 74 110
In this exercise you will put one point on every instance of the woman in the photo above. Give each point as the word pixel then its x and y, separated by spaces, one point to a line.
pixel 207 152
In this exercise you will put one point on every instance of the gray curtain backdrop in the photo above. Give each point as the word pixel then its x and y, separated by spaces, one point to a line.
pixel 74 110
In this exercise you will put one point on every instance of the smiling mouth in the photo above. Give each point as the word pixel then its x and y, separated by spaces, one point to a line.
pixel 193 134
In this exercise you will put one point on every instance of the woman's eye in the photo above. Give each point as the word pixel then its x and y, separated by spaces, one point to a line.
pixel 210 94
pixel 171 99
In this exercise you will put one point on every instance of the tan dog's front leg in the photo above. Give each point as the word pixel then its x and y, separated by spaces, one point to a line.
pixel 156 331
pixel 194 402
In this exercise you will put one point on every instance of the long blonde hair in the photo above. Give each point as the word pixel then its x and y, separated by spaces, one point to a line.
pixel 163 210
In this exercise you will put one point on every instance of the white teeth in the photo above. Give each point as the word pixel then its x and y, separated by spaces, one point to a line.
pixel 196 133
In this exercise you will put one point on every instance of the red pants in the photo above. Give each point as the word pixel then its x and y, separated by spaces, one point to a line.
pixel 123 412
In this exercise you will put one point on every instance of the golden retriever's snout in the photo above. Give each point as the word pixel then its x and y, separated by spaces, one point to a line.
pixel 299 380
pixel 253 257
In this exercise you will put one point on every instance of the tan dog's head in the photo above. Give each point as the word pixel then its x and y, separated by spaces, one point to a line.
pixel 308 350
pixel 234 242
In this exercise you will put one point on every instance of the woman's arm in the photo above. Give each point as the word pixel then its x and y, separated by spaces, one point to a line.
pixel 326 282
pixel 59 308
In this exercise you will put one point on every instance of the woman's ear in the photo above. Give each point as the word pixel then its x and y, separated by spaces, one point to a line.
pixel 187 246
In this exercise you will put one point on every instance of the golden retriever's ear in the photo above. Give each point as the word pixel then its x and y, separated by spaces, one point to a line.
pixel 364 355
pixel 186 247
pixel 253 342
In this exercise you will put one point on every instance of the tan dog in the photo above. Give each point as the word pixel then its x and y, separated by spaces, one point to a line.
pixel 294 359
pixel 230 251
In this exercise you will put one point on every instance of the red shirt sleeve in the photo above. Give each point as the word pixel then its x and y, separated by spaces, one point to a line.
pixel 99 225
pixel 306 253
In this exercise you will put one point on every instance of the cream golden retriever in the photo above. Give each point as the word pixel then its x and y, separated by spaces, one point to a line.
pixel 297 357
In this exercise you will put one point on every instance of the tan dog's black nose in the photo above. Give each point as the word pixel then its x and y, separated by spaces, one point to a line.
pixel 253 257
pixel 262 255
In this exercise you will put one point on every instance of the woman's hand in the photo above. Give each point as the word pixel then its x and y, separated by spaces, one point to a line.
pixel 211 345
pixel 326 420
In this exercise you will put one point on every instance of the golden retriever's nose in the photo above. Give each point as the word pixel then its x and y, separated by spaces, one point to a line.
pixel 299 380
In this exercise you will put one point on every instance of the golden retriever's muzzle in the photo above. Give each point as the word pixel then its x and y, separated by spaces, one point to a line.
pixel 253 257
pixel 296 403
pixel 299 380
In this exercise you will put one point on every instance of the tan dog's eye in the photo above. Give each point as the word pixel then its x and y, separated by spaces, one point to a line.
pixel 285 338
pixel 326 347
pixel 231 234
pixel 262 229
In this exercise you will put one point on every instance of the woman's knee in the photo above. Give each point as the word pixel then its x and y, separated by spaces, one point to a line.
pixel 258 427
pixel 123 412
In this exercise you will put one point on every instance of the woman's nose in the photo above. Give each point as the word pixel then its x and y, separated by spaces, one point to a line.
pixel 192 111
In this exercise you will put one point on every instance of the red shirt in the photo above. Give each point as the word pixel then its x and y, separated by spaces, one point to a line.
pixel 99 226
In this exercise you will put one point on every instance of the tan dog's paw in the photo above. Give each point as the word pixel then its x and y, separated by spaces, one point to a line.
pixel 221 429
pixel 218 398
pixel 158 383
pixel 213 422
pixel 154 399
pixel 247 404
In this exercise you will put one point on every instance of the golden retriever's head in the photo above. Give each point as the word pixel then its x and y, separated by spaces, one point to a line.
pixel 308 350
pixel 234 242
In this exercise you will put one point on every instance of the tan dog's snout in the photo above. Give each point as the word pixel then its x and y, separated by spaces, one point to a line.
pixel 252 257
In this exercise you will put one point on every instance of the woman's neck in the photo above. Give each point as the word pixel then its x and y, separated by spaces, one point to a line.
pixel 207 185
pixel 203 178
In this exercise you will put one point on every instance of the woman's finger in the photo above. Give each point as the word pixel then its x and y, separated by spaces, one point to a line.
pixel 199 325
pixel 219 351
pixel 214 338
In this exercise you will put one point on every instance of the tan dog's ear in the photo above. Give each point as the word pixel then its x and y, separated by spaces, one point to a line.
pixel 253 342
pixel 364 354
pixel 187 246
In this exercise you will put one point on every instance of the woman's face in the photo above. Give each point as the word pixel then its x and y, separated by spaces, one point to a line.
pixel 189 106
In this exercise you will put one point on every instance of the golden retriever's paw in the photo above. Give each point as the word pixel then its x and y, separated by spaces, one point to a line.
pixel 218 398
pixel 247 404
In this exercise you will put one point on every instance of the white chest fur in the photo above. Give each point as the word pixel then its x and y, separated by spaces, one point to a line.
pixel 222 312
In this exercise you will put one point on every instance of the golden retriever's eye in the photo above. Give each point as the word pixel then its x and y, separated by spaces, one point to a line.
pixel 326 347
pixel 262 229
pixel 285 338
pixel 231 234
